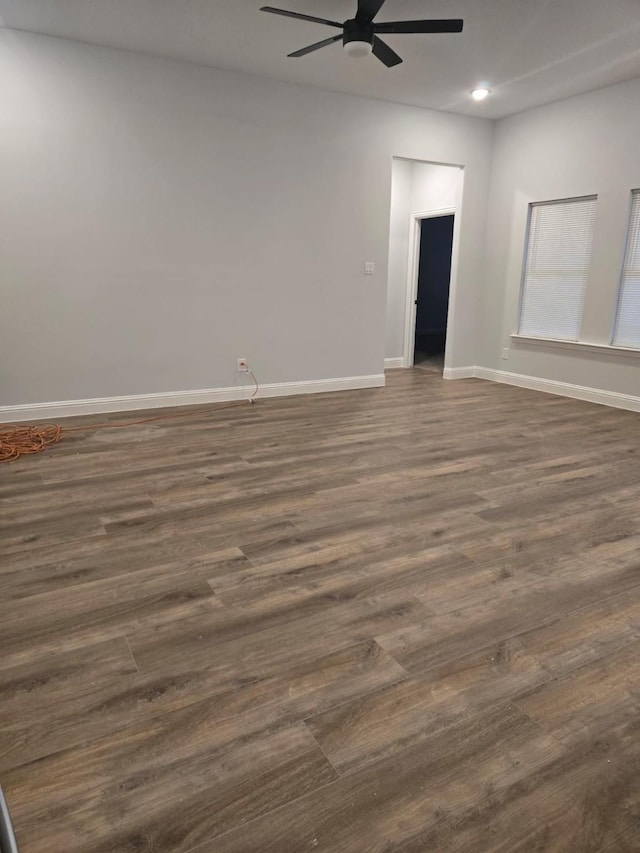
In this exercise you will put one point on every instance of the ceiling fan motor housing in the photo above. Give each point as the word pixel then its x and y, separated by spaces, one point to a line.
pixel 357 37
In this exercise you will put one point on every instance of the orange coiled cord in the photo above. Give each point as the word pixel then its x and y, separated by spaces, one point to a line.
pixel 18 440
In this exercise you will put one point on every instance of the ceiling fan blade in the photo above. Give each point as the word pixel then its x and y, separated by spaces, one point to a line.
pixel 367 10
pixel 384 53
pixel 299 16
pixel 305 50
pixel 444 25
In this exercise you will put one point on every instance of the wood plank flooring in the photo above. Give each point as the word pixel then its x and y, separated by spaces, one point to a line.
pixel 396 620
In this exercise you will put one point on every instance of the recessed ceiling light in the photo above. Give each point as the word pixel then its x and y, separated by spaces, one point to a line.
pixel 480 93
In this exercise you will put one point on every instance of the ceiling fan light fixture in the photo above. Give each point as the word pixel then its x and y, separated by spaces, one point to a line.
pixel 481 93
pixel 361 35
pixel 357 49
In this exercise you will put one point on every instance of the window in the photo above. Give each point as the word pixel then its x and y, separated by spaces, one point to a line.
pixel 627 329
pixel 556 267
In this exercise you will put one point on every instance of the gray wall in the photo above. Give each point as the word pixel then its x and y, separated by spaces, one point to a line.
pixel 401 183
pixel 581 146
pixel 159 219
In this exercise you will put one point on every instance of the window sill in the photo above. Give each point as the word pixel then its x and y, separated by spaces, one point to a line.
pixel 579 346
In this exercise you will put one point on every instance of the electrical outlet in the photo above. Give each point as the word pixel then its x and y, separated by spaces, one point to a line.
pixel 505 352
pixel 243 367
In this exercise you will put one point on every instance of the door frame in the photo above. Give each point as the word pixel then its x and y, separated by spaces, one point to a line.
pixel 415 229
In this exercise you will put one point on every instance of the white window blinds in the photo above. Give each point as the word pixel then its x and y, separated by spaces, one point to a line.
pixel 627 333
pixel 556 268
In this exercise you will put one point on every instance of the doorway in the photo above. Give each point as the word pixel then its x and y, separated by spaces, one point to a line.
pixel 421 191
pixel 435 245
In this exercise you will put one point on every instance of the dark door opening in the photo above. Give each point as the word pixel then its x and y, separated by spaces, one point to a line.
pixel 432 300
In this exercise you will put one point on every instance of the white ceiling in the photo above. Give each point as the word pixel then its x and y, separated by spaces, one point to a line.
pixel 530 52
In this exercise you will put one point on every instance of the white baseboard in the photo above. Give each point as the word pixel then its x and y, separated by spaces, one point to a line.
pixel 549 386
pixel 392 363
pixel 563 389
pixel 459 373
pixel 102 405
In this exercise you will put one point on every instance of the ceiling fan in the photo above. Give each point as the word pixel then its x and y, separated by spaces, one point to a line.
pixel 359 35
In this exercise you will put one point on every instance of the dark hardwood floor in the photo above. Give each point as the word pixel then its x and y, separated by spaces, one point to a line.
pixel 387 621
